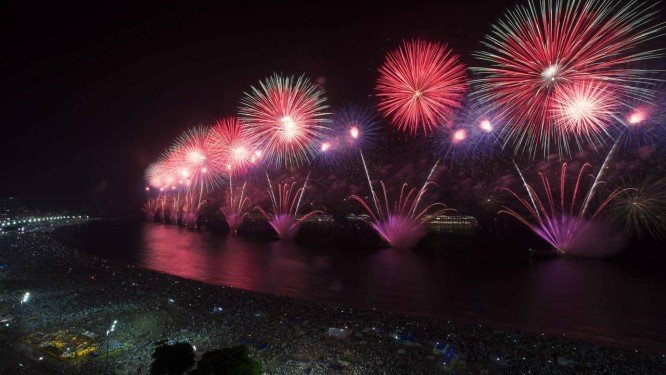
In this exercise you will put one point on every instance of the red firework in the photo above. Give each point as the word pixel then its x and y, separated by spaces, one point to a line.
pixel 285 118
pixel 420 85
pixel 157 175
pixel 193 161
pixel 231 146
pixel 544 47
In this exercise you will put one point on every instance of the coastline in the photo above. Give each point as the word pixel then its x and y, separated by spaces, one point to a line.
pixel 77 291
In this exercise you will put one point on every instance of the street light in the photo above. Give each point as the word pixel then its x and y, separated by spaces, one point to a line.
pixel 24 300
pixel 108 339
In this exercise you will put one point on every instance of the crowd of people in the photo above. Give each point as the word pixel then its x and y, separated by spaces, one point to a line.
pixel 76 292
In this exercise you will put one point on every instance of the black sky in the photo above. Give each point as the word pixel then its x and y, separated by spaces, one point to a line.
pixel 91 93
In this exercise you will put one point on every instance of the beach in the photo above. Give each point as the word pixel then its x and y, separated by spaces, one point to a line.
pixel 76 295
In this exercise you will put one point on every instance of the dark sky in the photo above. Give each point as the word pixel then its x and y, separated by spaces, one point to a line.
pixel 91 93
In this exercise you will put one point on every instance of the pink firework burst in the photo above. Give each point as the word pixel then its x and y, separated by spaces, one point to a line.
pixel 192 159
pixel 286 118
pixel 542 47
pixel 157 175
pixel 420 85
pixel 231 146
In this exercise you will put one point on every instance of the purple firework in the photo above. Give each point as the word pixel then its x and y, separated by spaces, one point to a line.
pixel 401 225
pixel 284 217
pixel 567 227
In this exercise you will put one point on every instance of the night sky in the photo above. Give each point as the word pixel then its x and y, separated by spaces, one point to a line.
pixel 92 93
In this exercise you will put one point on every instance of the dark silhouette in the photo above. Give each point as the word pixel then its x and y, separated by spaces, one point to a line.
pixel 228 361
pixel 172 359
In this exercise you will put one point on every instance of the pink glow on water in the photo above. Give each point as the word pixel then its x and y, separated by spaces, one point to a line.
pixel 234 222
pixel 190 220
pixel 399 231
pixel 285 225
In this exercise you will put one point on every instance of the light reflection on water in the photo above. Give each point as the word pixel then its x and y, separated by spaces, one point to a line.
pixel 591 299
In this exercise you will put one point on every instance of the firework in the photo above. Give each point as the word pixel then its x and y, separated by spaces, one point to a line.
pixel 157 175
pixel 472 139
pixel 285 118
pixel 564 226
pixel 420 85
pixel 644 123
pixel 585 110
pixel 150 209
pixel 355 127
pixel 485 205
pixel 175 208
pixel 194 158
pixel 236 208
pixel 401 225
pixel 641 211
pixel 285 204
pixel 231 146
pixel 556 66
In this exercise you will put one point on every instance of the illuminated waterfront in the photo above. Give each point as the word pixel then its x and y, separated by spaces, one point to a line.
pixel 76 294
pixel 465 280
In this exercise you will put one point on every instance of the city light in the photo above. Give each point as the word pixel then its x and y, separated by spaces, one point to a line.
pixel 112 328
pixel 33 219
pixel 26 298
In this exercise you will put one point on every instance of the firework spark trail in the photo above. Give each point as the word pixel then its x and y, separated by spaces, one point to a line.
pixel 561 227
pixel 401 226
pixel 424 187
pixel 597 179
pixel 641 211
pixel 305 184
pixel 522 178
pixel 372 189
pixel 150 208
pixel 236 207
pixel 284 218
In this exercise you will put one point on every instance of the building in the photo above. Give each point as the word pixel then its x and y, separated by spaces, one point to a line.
pixel 355 217
pixel 319 218
pixel 462 224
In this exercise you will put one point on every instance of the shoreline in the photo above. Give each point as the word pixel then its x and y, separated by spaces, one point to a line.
pixel 645 342
pixel 90 292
